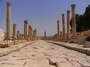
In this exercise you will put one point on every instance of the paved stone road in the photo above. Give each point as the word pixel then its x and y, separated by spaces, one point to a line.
pixel 42 54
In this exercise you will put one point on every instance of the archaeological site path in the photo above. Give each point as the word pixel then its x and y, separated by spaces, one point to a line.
pixel 44 54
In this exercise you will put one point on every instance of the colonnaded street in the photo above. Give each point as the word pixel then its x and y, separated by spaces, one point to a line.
pixel 40 53
pixel 44 33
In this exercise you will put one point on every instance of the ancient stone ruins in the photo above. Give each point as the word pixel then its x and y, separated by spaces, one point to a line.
pixel 12 34
pixel 68 47
pixel 68 25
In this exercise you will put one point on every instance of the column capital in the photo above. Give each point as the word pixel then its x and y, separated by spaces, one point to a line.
pixel 63 14
pixel 68 11
pixel 8 4
pixel 73 5
pixel 57 21
pixel 25 21
pixel 30 27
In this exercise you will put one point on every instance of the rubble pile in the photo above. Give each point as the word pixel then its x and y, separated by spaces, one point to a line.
pixel 80 37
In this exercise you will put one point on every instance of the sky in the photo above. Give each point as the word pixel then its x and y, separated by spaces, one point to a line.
pixel 41 14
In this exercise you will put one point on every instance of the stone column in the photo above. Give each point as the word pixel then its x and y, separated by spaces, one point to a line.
pixel 73 18
pixel 58 30
pixel 8 21
pixel 18 34
pixel 45 35
pixel 25 30
pixel 34 34
pixel 14 31
pixel 63 27
pixel 68 24
pixel 61 36
pixel 30 32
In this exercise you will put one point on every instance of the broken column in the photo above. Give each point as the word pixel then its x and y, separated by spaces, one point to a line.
pixel 8 21
pixel 68 23
pixel 25 30
pixel 73 18
pixel 58 30
pixel 63 27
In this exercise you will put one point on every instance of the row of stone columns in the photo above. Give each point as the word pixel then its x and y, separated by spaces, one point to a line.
pixel 12 33
pixel 65 35
pixel 29 34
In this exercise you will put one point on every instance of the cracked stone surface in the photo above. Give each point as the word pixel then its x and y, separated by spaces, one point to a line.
pixel 43 54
